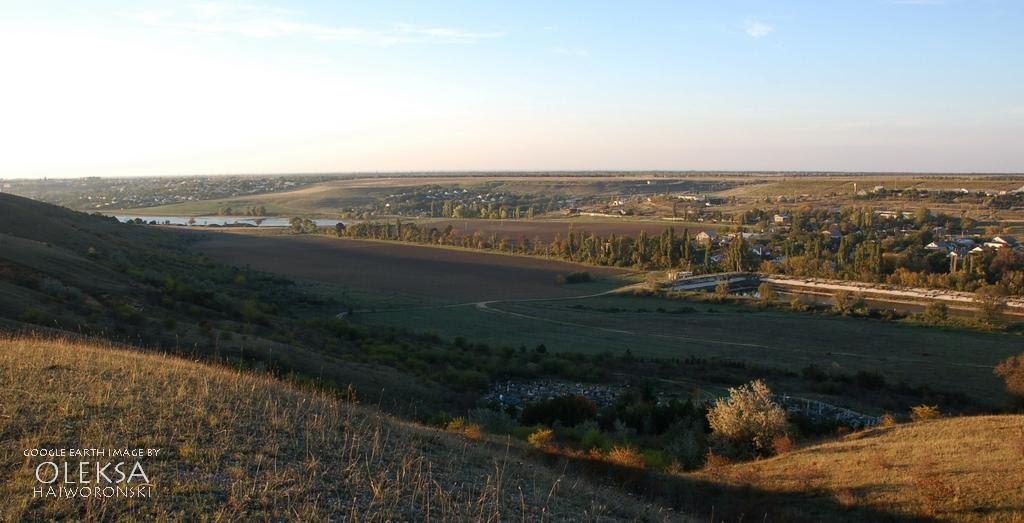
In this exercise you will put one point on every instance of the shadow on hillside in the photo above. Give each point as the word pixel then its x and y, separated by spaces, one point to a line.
pixel 710 501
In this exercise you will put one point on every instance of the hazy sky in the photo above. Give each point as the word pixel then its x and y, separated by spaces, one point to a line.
pixel 143 88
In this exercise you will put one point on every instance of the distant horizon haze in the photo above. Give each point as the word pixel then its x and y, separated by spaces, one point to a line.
pixel 161 88
pixel 541 172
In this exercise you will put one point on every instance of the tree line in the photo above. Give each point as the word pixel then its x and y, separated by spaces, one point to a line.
pixel 852 244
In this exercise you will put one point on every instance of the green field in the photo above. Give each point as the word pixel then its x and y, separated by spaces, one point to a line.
pixel 460 293
pixel 953 360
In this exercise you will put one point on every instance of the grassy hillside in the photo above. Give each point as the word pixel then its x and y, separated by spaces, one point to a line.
pixel 962 469
pixel 147 286
pixel 238 445
pixel 62 270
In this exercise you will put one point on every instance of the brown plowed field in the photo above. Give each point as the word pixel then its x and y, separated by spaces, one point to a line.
pixel 446 274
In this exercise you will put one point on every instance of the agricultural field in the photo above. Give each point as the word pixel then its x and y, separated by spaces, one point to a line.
pixel 792 192
pixel 508 300
pixel 328 198
pixel 954 360
pixel 407 273
pixel 843 184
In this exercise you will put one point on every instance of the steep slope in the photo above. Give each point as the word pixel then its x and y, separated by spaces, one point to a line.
pixel 962 469
pixel 242 446
pixel 77 232
pixel 51 256
pixel 62 270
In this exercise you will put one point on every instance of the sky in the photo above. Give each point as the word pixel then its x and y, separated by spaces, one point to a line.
pixel 132 88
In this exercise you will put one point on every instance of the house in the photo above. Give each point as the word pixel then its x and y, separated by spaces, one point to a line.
pixel 940 246
pixel 834 233
pixel 1001 241
pixel 892 215
pixel 747 236
pixel 965 242
pixel 761 250
pixel 706 237
pixel 782 219
pixel 1005 240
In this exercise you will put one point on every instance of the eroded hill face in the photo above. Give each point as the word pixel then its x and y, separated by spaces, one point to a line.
pixel 237 446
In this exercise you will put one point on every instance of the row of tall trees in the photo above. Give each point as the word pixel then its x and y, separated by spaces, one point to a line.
pixel 253 210
pixel 455 209
pixel 664 251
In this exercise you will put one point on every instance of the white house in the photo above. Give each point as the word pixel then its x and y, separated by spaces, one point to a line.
pixel 940 246
pixel 705 237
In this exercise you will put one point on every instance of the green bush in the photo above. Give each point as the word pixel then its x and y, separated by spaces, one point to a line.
pixel 595 439
pixel 574 277
pixel 567 410
pixel 33 315
pixel 493 421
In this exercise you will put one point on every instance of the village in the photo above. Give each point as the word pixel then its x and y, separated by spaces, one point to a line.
pixel 104 194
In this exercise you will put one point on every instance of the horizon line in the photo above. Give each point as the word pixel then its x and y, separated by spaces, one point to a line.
pixel 763 172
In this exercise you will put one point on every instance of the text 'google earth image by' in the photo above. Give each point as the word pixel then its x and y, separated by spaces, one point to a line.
pixel 747 260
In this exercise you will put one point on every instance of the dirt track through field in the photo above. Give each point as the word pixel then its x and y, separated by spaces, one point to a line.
pixel 486 307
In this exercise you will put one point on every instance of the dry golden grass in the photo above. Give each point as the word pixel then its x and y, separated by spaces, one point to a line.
pixel 963 469
pixel 242 446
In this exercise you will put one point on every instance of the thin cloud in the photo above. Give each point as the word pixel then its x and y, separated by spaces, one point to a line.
pixel 445 33
pixel 220 9
pixel 757 29
pixel 257 21
pixel 570 51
